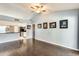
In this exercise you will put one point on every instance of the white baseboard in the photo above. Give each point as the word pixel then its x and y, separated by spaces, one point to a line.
pixel 61 45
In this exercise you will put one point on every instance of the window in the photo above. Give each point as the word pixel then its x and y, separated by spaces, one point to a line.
pixel 2 29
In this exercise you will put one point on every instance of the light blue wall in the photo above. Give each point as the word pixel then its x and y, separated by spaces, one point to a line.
pixel 63 37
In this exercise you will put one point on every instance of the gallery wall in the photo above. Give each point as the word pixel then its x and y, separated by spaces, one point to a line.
pixel 66 37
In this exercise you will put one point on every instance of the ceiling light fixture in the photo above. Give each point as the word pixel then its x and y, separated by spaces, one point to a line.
pixel 38 8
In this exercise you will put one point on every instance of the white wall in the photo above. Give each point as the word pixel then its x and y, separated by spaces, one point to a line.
pixel 29 33
pixel 63 37
pixel 6 37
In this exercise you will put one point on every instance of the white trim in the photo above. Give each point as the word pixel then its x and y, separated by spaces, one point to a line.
pixel 60 45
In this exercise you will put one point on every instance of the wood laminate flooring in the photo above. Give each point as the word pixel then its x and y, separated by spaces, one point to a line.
pixel 39 48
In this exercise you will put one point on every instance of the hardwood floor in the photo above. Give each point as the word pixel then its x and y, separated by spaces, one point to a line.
pixel 39 48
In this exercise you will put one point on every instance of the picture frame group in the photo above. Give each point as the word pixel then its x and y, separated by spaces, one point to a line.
pixel 45 25
pixel 63 24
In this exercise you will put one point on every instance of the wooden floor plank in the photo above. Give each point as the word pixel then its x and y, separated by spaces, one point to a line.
pixel 40 49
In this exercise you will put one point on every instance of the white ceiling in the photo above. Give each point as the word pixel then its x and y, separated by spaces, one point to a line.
pixel 62 6
pixel 23 11
pixel 14 10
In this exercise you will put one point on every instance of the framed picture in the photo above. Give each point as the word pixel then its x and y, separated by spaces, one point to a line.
pixel 45 25
pixel 52 25
pixel 39 26
pixel 28 26
pixel 63 23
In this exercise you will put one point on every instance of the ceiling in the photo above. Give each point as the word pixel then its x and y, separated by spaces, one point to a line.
pixel 62 6
pixel 24 12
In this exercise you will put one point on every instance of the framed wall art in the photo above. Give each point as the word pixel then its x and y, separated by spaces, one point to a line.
pixel 63 23
pixel 45 25
pixel 28 26
pixel 52 25
pixel 39 26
